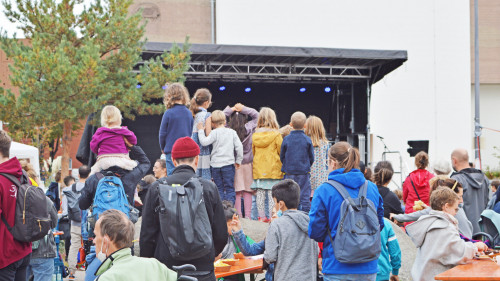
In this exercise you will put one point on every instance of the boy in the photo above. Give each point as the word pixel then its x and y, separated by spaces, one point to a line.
pixel 287 245
pixel 297 157
pixel 227 154
pixel 390 257
pixel 437 239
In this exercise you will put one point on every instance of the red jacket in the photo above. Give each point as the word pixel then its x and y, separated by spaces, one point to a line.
pixel 11 250
pixel 420 179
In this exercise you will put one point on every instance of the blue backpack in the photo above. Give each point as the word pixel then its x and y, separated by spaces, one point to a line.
pixel 110 194
pixel 358 234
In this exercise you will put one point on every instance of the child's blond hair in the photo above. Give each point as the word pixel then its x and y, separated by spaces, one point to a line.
pixel 298 120
pixel 285 130
pixel 175 93
pixel 267 119
pixel 111 115
pixel 218 117
pixel 316 131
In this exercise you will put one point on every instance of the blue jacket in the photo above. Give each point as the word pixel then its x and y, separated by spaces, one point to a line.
pixel 297 153
pixel 326 206
pixel 253 250
pixel 390 257
pixel 177 122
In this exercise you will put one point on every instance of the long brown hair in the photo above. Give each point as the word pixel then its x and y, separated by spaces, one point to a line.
pixel 346 155
pixel 383 173
pixel 201 96
pixel 175 93
pixel 316 131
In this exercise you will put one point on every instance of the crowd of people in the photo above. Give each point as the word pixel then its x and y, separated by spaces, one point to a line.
pixel 330 216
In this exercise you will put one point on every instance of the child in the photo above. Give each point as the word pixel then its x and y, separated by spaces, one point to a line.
pixel 494 186
pixel 223 161
pixel 437 239
pixel 390 257
pixel 266 148
pixel 243 120
pixel 287 243
pixel 108 142
pixel 285 130
pixel 200 102
pixel 319 170
pixel 297 156
pixel 177 121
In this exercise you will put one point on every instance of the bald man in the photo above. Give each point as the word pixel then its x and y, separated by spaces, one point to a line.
pixel 475 183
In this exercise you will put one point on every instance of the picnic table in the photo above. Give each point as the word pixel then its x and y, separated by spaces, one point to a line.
pixel 246 265
pixel 477 270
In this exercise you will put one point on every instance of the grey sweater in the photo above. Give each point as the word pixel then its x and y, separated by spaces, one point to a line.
pixel 226 146
pixel 289 246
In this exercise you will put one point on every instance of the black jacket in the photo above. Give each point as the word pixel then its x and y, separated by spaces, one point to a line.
pixel 129 179
pixel 151 240
pixel 391 201
pixel 47 245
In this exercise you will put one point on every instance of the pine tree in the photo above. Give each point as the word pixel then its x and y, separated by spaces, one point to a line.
pixel 75 63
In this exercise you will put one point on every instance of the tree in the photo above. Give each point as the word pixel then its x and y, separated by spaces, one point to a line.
pixel 77 62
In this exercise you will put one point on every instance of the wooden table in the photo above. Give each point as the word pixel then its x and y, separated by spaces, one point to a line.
pixel 246 265
pixel 477 270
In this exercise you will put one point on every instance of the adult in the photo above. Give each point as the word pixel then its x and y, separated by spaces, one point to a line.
pixel 416 186
pixel 54 190
pixel 160 168
pixel 475 183
pixel 343 163
pixel 76 228
pixel 185 157
pixel 15 255
pixel 442 167
pixel 114 234
pixel 382 178
pixel 129 180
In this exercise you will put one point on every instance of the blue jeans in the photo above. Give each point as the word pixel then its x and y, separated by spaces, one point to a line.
pixel 304 183
pixel 93 264
pixel 224 179
pixel 170 163
pixel 41 268
pixel 350 277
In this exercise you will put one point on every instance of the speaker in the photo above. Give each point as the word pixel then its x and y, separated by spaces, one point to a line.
pixel 416 146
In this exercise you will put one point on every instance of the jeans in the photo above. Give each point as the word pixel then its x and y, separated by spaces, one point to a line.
pixel 93 264
pixel 304 183
pixel 170 163
pixel 350 277
pixel 15 271
pixel 41 268
pixel 224 179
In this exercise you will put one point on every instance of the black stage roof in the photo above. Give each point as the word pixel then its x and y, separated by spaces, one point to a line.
pixel 213 62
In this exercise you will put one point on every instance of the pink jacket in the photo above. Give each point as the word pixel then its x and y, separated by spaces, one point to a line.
pixel 110 141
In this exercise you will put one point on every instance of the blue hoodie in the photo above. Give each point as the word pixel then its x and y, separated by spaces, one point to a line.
pixel 326 204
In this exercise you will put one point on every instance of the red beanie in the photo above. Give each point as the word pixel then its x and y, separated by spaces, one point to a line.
pixel 185 148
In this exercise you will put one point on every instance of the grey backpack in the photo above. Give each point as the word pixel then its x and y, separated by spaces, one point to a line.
pixel 72 196
pixel 358 233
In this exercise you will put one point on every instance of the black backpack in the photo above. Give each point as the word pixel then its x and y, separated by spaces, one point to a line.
pixel 72 196
pixel 184 222
pixel 32 219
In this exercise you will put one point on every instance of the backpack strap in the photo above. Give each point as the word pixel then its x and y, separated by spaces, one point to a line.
pixel 99 176
pixel 343 192
pixel 73 187
pixel 414 188
pixel 363 190
pixel 12 178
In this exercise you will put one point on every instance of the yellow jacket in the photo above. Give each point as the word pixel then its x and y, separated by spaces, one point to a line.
pixel 266 147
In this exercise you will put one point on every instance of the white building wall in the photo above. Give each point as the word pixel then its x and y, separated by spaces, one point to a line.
pixel 490 115
pixel 426 98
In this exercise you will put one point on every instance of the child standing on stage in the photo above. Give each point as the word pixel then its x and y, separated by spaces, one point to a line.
pixel 201 101
pixel 319 169
pixel 266 147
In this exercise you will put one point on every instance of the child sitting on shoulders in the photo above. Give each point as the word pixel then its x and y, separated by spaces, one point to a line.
pixel 437 239
pixel 109 142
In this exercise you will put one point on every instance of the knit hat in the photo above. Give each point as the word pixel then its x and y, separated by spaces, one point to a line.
pixel 185 148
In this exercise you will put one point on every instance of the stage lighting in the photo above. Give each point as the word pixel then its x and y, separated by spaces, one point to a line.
pixel 138 86
pixel 248 89
pixel 222 88
pixel 164 87
pixel 302 90
pixel 328 89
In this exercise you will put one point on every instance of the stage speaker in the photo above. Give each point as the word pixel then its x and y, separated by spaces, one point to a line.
pixel 416 146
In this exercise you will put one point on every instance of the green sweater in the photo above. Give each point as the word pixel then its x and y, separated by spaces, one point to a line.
pixel 121 265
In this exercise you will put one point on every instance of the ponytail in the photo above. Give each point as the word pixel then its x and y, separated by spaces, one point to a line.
pixel 347 156
pixel 383 173
pixel 352 160
pixel 193 106
pixel 201 96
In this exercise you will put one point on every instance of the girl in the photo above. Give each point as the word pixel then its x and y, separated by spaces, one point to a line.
pixel 266 148
pixel 200 102
pixel 108 142
pixel 177 121
pixel 382 178
pixel 243 120
pixel 316 131
pixel 343 163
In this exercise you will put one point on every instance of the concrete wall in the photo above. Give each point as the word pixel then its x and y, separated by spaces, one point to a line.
pixel 426 98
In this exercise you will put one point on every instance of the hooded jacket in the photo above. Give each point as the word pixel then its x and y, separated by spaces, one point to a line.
pixel 439 246
pixel 11 249
pixel 476 193
pixel 287 245
pixel 266 147
pixel 325 212
pixel 249 128
pixel 110 141
pixel 420 179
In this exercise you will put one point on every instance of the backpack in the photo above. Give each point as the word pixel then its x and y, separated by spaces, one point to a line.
pixel 32 219
pixel 72 196
pixel 184 222
pixel 358 233
pixel 109 194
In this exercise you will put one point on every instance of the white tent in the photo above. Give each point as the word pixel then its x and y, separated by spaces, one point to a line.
pixel 28 152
